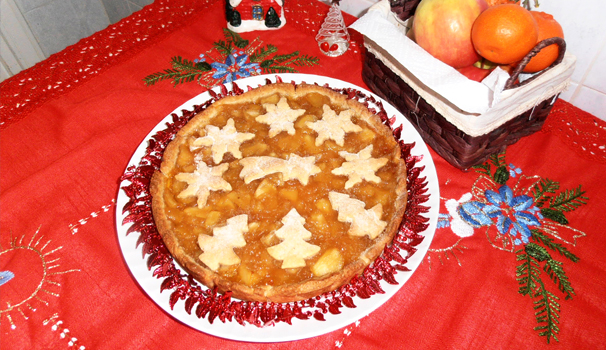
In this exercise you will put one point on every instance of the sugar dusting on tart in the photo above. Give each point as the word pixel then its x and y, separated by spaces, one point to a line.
pixel 292 168
pixel 203 180
pixel 280 117
pixel 221 141
pixel 333 126
pixel 360 166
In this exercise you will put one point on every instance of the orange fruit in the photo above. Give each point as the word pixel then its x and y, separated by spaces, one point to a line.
pixel 504 33
pixel 548 28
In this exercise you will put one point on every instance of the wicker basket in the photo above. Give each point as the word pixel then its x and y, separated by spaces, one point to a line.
pixel 456 146
pixel 403 9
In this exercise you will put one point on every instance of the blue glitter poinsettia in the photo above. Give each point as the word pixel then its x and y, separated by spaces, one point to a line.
pixel 515 215
pixel 235 67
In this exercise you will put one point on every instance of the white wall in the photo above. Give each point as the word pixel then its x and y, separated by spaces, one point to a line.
pixel 32 30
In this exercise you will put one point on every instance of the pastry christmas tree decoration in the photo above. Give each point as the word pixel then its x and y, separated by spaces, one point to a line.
pixel 333 37
pixel 218 249
pixel 293 168
pixel 363 222
pixel 293 250
pixel 360 166
pixel 333 126
pixel 221 141
pixel 280 117
pixel 248 15
pixel 203 180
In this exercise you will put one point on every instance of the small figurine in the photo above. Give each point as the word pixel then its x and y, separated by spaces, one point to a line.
pixel 248 15
pixel 333 37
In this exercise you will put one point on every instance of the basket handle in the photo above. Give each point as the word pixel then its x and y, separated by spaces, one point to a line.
pixel 511 82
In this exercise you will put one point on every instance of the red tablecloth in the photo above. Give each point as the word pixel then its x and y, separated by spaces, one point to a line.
pixel 70 124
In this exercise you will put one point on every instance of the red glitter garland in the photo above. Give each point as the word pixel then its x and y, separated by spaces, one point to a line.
pixel 208 303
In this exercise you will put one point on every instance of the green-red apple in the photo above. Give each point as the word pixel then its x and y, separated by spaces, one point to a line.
pixel 475 73
pixel 443 28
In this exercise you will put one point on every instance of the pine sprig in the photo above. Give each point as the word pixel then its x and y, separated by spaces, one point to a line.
pixel 285 57
pixel 305 61
pixel 159 76
pixel 224 47
pixel 541 237
pixel 498 159
pixel 541 190
pixel 546 306
pixel 271 68
pixel 235 38
pixel 569 200
pixel 183 70
pixel 528 274
pixel 556 272
pixel 263 53
pixel 483 169
pixel 546 311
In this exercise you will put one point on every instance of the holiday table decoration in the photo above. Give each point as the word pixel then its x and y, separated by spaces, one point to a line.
pixel 333 37
pixel 248 15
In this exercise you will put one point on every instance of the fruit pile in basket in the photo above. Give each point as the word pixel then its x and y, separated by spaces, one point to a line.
pixel 476 36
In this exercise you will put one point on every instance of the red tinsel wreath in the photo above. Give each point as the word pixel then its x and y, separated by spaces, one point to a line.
pixel 211 304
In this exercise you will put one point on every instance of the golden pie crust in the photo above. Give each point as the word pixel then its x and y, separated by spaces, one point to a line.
pixel 285 192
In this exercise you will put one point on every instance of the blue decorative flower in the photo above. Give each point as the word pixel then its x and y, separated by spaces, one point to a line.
pixel 514 215
pixel 443 220
pixel 6 276
pixel 513 171
pixel 235 67
pixel 201 59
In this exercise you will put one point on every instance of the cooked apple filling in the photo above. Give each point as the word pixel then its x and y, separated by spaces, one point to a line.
pixel 285 187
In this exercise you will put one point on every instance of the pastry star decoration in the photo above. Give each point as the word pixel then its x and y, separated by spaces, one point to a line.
pixel 280 117
pixel 360 166
pixel 293 250
pixel 222 141
pixel 218 249
pixel 333 126
pixel 203 180
pixel 295 167
pixel 363 222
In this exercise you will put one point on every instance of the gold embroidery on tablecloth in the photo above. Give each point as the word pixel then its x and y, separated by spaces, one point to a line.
pixel 45 288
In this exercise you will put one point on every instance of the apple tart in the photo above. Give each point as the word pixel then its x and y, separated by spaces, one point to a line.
pixel 280 193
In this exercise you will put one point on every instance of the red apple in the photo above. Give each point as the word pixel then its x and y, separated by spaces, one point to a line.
pixel 475 73
pixel 443 28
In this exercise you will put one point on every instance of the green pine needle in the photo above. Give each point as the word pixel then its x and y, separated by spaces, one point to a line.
pixel 183 71
pixel 542 189
pixel 548 242
pixel 279 69
pixel 305 61
pixel 224 47
pixel 156 77
pixel 528 274
pixel 498 159
pixel 235 38
pixel 483 169
pixel 546 313
pixel 284 58
pixel 569 200
pixel 556 272
pixel 263 53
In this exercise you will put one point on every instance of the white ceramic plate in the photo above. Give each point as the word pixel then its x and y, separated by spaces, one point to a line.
pixel 300 329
